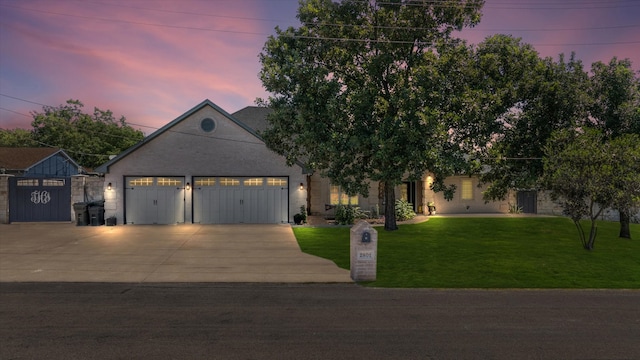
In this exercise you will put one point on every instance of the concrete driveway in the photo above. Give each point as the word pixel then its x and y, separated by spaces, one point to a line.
pixel 159 253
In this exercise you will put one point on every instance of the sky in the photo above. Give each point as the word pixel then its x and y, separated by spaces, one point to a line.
pixel 153 60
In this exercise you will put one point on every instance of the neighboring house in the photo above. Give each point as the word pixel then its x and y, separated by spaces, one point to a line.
pixel 37 162
pixel 206 166
pixel 35 184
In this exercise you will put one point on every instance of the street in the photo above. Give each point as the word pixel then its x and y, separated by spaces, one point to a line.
pixel 312 321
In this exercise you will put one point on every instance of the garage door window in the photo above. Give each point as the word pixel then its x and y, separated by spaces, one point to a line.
pixel 53 182
pixel 169 182
pixel 229 182
pixel 28 182
pixel 147 181
pixel 276 182
pixel 205 182
pixel 253 182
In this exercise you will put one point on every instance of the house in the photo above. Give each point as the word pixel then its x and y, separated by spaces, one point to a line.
pixel 206 167
pixel 323 196
pixel 36 184
pixel 37 162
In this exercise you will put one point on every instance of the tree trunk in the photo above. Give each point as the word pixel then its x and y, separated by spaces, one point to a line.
pixel 625 230
pixel 592 235
pixel 390 207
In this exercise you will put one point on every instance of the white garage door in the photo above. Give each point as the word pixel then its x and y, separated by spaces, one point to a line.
pixel 232 200
pixel 154 200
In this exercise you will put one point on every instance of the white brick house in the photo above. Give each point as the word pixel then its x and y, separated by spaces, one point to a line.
pixel 206 167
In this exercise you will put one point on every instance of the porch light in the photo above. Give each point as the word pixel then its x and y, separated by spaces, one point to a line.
pixel 109 186
pixel 188 187
pixel 301 186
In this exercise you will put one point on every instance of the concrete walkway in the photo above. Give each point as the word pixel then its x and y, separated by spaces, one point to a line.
pixel 56 252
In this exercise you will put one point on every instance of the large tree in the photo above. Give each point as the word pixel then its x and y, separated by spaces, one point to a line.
pixel 349 91
pixel 615 89
pixel 553 96
pixel 17 138
pixel 89 138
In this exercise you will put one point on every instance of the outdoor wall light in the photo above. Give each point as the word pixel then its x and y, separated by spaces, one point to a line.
pixel 301 186
pixel 188 187
pixel 109 186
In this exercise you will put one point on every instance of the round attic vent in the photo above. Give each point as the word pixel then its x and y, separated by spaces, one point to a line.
pixel 207 125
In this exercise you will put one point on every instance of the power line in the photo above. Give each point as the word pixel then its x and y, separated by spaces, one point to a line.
pixel 15 112
pixel 329 24
pixel 133 124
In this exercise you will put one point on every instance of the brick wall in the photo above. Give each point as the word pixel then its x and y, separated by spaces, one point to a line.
pixel 4 198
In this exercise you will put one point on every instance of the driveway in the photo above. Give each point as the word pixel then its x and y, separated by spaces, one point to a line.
pixel 56 252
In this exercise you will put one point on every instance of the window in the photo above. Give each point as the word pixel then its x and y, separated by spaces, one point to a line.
pixel 148 181
pixel 207 125
pixel 205 181
pixel 53 182
pixel 169 182
pixel 253 182
pixel 466 192
pixel 28 182
pixel 229 182
pixel 340 197
pixel 276 182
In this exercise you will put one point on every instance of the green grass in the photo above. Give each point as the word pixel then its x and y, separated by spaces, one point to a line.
pixel 490 253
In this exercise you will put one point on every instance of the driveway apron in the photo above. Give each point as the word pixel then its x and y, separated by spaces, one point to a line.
pixel 159 253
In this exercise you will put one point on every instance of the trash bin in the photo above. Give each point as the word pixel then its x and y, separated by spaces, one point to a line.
pixel 82 216
pixel 96 213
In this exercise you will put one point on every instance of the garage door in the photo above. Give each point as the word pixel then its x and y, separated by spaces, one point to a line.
pixel 232 200
pixel 34 199
pixel 154 200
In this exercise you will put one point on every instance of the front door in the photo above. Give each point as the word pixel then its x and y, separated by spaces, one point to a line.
pixel 409 193
pixel 527 201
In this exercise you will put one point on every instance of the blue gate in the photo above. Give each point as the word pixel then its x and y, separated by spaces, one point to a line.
pixel 39 199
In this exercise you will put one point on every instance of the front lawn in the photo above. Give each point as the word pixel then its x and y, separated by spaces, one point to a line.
pixel 531 252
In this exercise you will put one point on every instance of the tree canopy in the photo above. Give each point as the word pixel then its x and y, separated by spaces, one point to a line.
pixel 361 91
pixel 88 138
pixel 589 172
pixel 551 97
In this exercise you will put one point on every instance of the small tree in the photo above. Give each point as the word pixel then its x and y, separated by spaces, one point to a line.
pixel 588 174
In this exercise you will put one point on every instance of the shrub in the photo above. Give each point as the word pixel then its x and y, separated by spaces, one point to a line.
pixel 345 215
pixel 303 213
pixel 404 210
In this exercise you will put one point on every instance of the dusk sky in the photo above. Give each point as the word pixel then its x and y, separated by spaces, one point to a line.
pixel 153 60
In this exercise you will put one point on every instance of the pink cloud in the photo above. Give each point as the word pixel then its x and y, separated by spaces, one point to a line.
pixel 110 55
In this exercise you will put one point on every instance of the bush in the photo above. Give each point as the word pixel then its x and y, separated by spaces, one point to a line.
pixel 345 215
pixel 300 218
pixel 404 210
pixel 303 213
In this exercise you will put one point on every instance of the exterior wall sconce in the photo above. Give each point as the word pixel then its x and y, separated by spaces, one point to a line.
pixel 109 187
pixel 301 186
pixel 188 187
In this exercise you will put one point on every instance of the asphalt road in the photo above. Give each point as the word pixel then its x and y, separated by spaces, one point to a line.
pixel 339 321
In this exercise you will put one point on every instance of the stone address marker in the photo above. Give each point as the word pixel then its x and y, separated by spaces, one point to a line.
pixel 364 252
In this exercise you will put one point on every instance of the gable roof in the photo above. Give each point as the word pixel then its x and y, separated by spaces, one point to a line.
pixel 105 167
pixel 255 117
pixel 23 158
